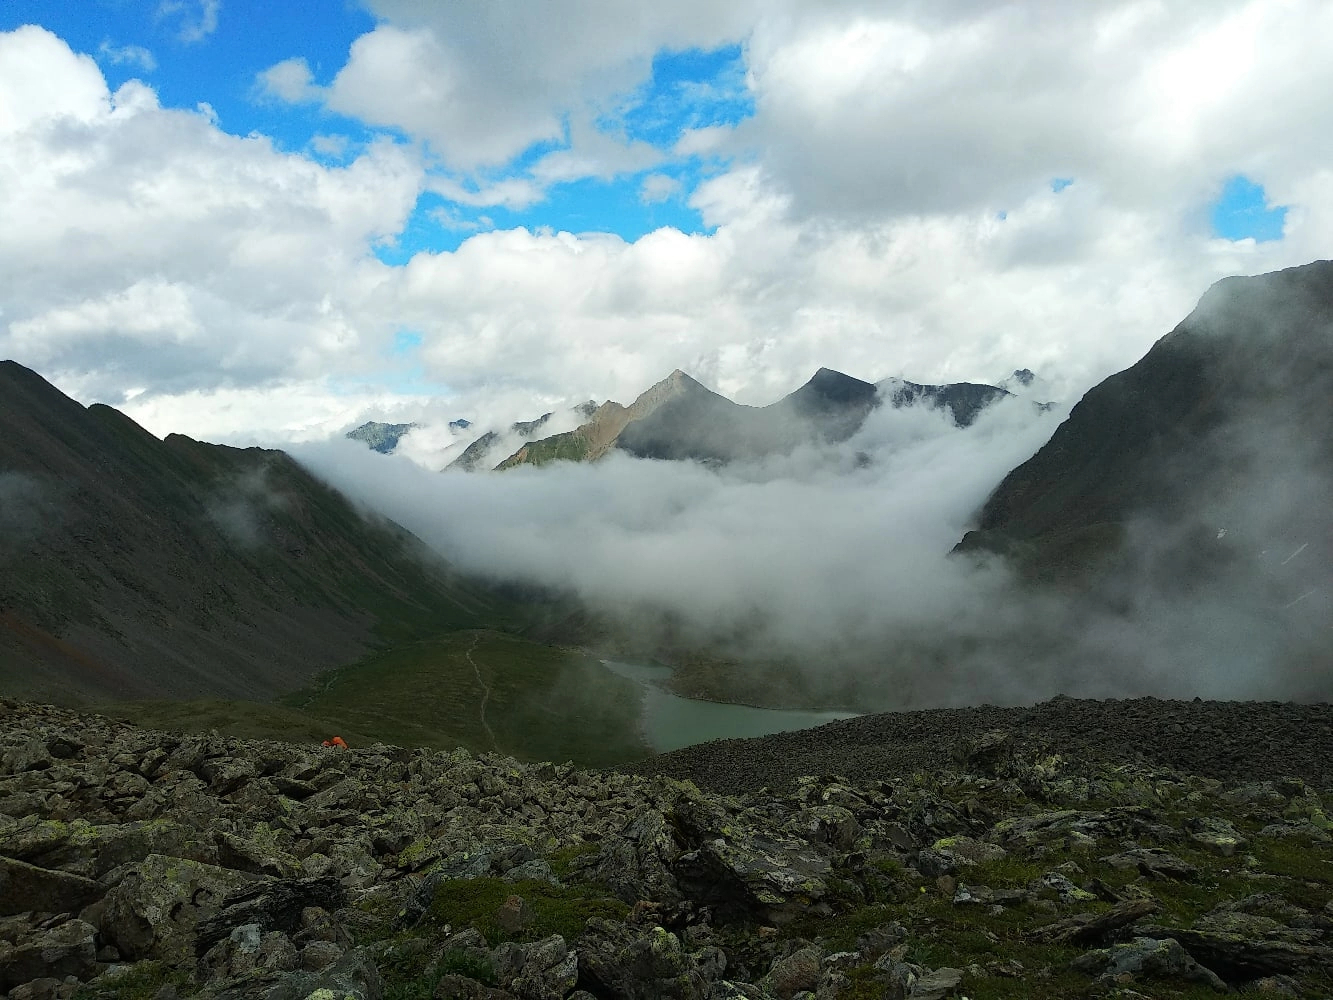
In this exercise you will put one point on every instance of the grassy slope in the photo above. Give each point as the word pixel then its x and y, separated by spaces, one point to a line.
pixel 544 703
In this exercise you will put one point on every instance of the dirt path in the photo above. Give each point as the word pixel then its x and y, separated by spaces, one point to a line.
pixel 486 690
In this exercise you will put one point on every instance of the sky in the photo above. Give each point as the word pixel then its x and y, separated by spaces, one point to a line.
pixel 251 221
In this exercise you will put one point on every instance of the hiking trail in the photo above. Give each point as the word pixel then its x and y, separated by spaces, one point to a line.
pixel 486 691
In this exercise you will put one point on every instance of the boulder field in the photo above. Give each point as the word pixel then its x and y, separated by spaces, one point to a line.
pixel 142 864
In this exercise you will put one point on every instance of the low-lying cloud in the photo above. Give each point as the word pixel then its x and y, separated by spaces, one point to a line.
pixel 838 560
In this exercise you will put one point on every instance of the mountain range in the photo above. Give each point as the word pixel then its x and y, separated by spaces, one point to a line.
pixel 681 419
pixel 479 454
pixel 137 567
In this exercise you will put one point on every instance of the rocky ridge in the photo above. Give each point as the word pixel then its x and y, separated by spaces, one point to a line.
pixel 135 863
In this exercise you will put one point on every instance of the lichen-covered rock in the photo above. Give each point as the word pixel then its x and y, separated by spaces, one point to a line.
pixel 639 964
pixel 258 887
pixel 739 866
pixel 543 970
pixel 1240 957
pixel 1155 863
pixel 1216 835
pixel 637 863
pixel 156 909
pixel 92 850
pixel 1146 958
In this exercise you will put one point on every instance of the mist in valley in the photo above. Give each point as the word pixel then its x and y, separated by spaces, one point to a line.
pixel 836 560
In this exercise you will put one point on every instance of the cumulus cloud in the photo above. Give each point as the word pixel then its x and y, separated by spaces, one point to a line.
pixel 484 82
pixel 143 246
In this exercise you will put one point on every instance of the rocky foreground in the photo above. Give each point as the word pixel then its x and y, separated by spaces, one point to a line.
pixel 141 864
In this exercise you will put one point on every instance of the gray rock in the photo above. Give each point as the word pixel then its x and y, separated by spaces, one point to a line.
pixel 1235 956
pixel 936 985
pixel 452 987
pixel 319 955
pixel 25 887
pixel 794 974
pixel 636 964
pixel 1216 835
pixel 1155 863
pixel 69 949
pixel 1147 958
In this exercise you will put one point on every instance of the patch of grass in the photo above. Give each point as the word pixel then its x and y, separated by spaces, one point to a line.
pixel 141 982
pixel 563 911
pixel 1296 858
pixel 456 962
pixel 571 446
pixel 840 932
pixel 1009 872
pixel 562 861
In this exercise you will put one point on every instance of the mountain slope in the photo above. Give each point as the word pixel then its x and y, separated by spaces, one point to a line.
pixel 134 567
pixel 378 436
pixel 1219 434
pixel 478 453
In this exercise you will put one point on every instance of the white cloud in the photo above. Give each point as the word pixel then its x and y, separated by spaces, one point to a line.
pixel 483 82
pixel 290 81
pixel 146 246
pixel 901 109
pixel 131 55
pixel 197 19
pixel 514 193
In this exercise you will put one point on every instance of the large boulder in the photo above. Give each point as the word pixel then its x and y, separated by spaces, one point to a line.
pixel 352 977
pixel 638 964
pixel 156 909
pixel 92 850
pixel 743 867
pixel 1146 958
pixel 25 887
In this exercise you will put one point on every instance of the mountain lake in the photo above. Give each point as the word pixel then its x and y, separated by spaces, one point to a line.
pixel 671 722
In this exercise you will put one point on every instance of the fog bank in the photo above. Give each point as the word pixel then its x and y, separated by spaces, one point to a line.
pixel 837 559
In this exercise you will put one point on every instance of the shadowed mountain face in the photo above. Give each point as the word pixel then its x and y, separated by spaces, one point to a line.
pixel 1216 443
pixel 964 400
pixel 134 567
pixel 680 419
